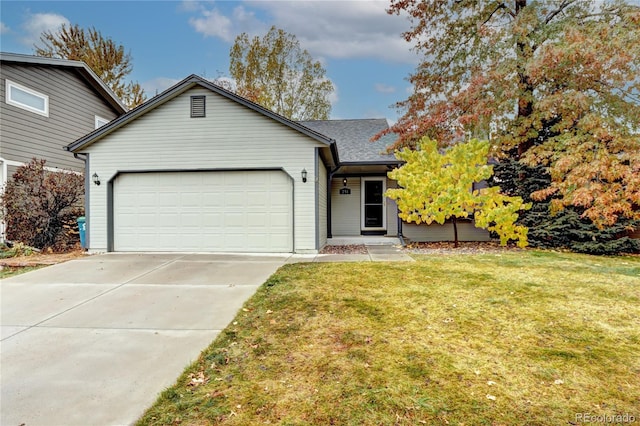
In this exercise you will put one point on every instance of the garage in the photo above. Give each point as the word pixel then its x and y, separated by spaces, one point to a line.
pixel 206 211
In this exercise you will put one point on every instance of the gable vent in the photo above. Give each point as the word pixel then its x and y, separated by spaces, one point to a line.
pixel 198 106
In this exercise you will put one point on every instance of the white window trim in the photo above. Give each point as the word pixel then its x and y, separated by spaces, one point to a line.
pixel 9 84
pixel 99 120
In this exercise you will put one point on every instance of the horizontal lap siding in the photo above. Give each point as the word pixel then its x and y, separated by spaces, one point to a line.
pixel 73 105
pixel 437 232
pixel 345 208
pixel 392 211
pixel 230 136
pixel 322 203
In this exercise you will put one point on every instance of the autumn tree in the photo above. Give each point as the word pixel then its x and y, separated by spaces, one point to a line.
pixel 275 72
pixel 566 228
pixel 40 207
pixel 107 59
pixel 437 186
pixel 554 83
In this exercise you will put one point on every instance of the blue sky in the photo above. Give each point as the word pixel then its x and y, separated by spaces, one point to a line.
pixel 358 43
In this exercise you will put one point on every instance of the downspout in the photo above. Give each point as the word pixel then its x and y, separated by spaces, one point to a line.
pixel 329 179
pixel 87 182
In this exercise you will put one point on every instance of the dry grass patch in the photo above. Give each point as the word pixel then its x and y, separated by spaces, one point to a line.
pixel 529 338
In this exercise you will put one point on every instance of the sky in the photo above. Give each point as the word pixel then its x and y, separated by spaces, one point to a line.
pixel 358 43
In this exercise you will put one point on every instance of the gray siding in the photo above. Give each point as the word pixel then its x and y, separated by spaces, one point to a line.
pixel 436 232
pixel 322 204
pixel 392 211
pixel 345 208
pixel 73 105
pixel 231 136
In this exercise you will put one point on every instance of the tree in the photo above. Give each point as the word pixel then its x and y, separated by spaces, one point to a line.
pixel 554 82
pixel 435 187
pixel 41 207
pixel 565 229
pixel 107 59
pixel 275 72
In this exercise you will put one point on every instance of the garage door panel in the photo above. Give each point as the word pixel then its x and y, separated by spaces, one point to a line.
pixel 203 211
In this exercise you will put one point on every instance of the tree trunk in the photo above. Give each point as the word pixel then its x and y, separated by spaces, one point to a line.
pixel 455 232
pixel 525 104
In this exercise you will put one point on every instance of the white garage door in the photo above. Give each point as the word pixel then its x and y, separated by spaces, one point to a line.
pixel 247 211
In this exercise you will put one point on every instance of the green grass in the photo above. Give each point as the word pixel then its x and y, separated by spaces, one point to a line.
pixel 10 271
pixel 526 338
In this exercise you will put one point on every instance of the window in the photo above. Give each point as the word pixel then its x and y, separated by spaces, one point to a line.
pixel 198 106
pixel 28 99
pixel 100 121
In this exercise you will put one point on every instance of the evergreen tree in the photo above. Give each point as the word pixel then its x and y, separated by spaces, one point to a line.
pixel 566 228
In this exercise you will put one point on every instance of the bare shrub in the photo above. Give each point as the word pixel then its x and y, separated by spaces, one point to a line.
pixel 40 207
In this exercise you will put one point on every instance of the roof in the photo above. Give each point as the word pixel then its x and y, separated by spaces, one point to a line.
pixel 181 87
pixel 353 138
pixel 83 69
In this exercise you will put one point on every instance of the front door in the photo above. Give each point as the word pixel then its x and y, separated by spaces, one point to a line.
pixel 373 204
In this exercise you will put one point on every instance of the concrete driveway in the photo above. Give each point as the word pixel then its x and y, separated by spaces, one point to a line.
pixel 94 341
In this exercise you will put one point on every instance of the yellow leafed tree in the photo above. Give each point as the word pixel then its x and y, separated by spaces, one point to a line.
pixel 437 186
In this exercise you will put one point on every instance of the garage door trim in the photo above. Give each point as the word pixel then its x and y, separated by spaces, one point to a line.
pixel 110 203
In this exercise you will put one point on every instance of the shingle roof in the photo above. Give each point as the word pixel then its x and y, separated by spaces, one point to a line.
pixel 353 138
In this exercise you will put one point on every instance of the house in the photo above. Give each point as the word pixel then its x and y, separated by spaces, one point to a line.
pixel 199 168
pixel 46 104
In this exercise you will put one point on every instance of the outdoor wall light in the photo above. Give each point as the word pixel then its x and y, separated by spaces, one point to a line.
pixel 304 175
pixel 96 179
pixel 344 182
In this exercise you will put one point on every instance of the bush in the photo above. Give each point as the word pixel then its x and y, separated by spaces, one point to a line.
pixel 18 249
pixel 40 207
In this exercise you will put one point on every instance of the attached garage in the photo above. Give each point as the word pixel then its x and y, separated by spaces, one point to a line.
pixel 200 169
pixel 239 211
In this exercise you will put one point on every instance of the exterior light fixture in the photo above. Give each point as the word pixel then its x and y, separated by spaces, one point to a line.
pixel 304 175
pixel 344 182
pixel 96 179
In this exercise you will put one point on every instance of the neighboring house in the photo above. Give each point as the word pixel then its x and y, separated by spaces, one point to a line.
pixel 198 168
pixel 47 104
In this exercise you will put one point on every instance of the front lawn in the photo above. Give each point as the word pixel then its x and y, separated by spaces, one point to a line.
pixel 524 338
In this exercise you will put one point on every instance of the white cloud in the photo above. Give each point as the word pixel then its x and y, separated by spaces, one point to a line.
pixel 383 88
pixel 37 23
pixel 345 29
pixel 213 24
pixel 333 96
pixel 157 85
pixel 3 28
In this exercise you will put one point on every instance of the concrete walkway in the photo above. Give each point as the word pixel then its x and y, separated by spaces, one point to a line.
pixel 379 249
